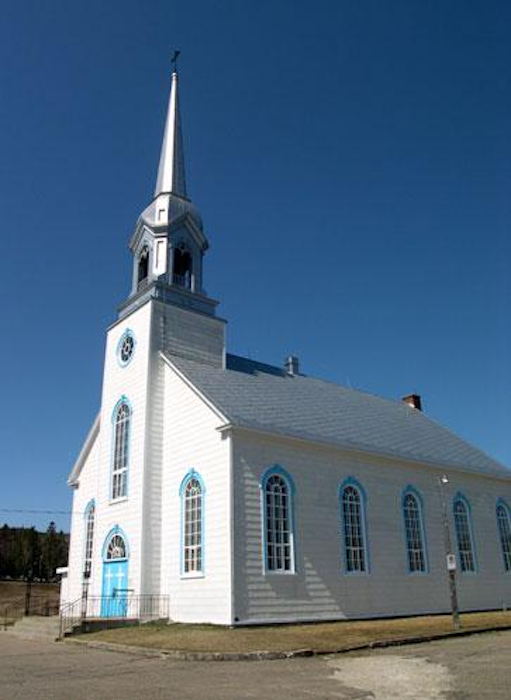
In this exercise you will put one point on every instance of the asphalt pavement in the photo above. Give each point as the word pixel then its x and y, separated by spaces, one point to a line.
pixel 467 668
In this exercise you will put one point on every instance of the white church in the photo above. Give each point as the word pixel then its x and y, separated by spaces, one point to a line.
pixel 242 493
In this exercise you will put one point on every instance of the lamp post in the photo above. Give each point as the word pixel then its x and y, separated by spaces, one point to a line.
pixel 450 557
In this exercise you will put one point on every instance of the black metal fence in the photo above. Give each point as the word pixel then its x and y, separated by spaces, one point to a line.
pixel 113 610
pixel 42 606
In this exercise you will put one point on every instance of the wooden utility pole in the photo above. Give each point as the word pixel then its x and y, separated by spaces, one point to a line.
pixel 449 555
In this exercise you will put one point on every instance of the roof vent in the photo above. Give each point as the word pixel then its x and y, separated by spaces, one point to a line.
pixel 292 365
pixel 413 400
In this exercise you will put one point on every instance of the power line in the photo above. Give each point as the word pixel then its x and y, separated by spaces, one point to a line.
pixel 36 511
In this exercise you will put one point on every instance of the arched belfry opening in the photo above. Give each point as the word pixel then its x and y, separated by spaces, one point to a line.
pixel 182 269
pixel 143 266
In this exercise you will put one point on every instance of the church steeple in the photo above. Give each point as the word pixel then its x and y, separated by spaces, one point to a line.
pixel 168 244
pixel 171 171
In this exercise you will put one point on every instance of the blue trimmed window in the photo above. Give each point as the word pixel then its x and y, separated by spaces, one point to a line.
pixel 278 523
pixel 126 347
pixel 353 527
pixel 192 494
pixel 122 429
pixel 504 525
pixel 463 528
pixel 414 531
pixel 90 514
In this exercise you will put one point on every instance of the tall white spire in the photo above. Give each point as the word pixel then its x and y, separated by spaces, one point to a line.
pixel 171 171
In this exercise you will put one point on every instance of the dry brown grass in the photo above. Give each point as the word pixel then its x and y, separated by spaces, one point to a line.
pixel 327 636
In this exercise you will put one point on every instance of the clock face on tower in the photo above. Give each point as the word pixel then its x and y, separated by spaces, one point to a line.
pixel 126 347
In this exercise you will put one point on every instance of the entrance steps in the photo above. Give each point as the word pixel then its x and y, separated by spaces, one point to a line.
pixel 36 627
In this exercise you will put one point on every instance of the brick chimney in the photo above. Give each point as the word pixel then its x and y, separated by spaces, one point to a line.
pixel 413 400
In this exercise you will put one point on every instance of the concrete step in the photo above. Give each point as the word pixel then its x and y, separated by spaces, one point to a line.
pixel 39 622
pixel 36 628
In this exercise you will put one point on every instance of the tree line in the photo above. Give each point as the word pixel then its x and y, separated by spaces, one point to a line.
pixel 27 554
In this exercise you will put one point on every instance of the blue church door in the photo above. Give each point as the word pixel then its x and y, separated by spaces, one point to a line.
pixel 114 602
pixel 114 593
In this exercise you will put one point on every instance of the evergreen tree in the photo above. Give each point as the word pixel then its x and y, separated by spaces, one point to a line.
pixel 28 554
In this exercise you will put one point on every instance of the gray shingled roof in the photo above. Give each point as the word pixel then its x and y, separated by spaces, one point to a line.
pixel 266 398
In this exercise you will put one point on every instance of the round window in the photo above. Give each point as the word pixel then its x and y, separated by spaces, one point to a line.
pixel 126 347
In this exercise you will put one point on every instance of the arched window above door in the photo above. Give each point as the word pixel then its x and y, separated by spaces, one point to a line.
pixel 116 548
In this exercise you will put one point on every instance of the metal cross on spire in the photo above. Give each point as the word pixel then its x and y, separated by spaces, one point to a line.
pixel 174 59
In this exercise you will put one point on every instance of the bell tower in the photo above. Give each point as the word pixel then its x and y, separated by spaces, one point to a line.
pixel 168 243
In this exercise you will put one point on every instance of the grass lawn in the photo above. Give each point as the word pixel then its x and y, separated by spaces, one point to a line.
pixel 326 636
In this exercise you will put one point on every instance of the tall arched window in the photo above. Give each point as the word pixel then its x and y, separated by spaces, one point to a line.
pixel 90 513
pixel 463 529
pixel 353 526
pixel 278 522
pixel 192 494
pixel 414 531
pixel 122 426
pixel 504 525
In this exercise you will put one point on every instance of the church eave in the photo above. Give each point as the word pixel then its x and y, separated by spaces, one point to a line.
pixel 84 452
pixel 162 292
pixel 138 234
pixel 239 426
pixel 164 229
pixel 195 232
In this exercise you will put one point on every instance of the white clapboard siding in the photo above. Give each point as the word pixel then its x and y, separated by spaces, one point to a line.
pixel 192 441
pixel 193 335
pixel 81 498
pixel 174 430
pixel 320 588
pixel 95 478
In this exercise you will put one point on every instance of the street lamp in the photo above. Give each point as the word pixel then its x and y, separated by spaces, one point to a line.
pixel 450 557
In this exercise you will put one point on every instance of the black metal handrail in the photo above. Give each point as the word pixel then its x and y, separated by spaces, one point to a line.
pixel 71 615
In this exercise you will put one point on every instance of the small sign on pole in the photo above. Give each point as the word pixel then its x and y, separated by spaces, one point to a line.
pixel 451 562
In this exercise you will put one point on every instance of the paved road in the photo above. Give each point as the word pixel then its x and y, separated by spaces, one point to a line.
pixel 469 668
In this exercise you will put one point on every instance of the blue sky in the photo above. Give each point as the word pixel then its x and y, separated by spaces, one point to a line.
pixel 351 161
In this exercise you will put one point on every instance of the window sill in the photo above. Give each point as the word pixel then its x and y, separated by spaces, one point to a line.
pixel 191 576
pixel 115 501
pixel 280 573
